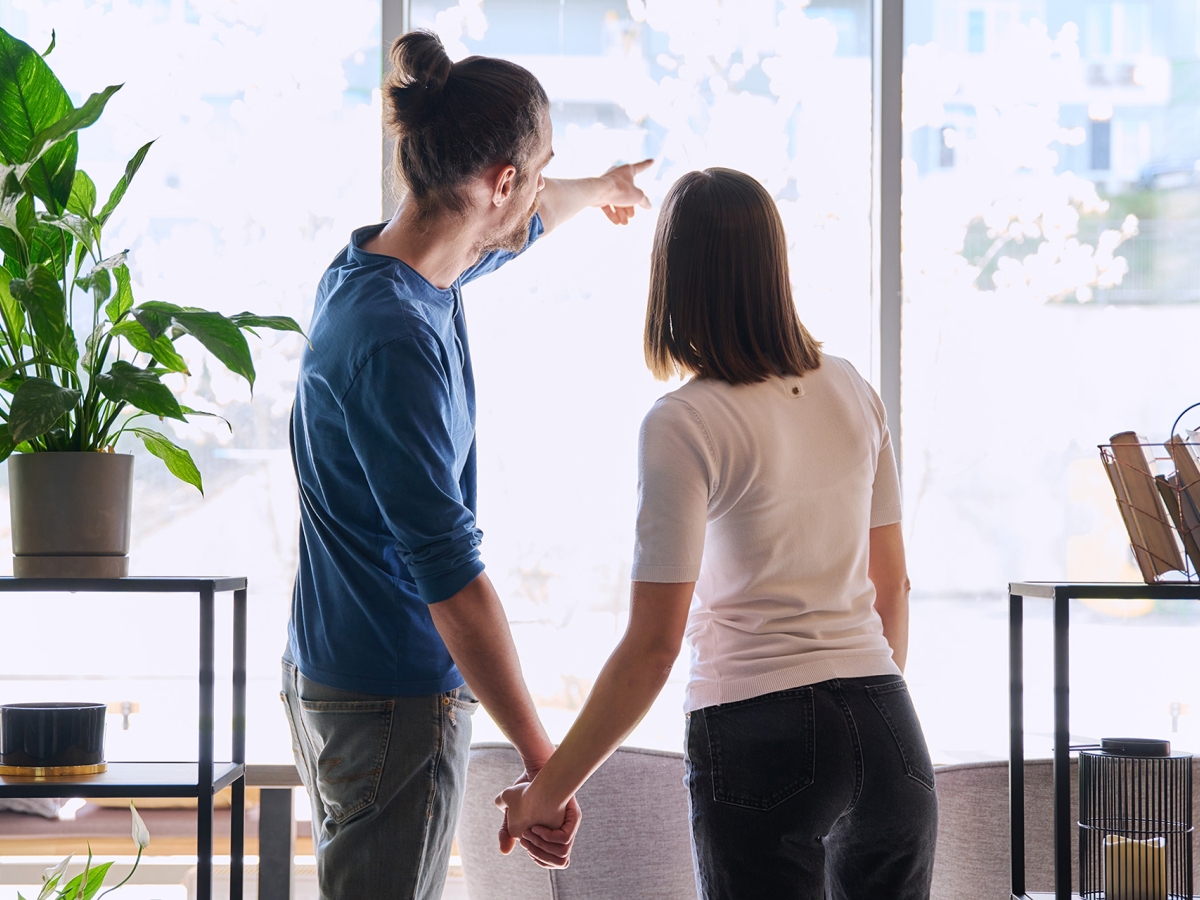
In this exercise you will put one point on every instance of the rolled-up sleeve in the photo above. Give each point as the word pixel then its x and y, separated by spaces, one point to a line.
pixel 399 418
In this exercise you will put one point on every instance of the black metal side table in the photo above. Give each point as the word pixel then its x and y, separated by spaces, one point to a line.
pixel 1061 595
pixel 202 779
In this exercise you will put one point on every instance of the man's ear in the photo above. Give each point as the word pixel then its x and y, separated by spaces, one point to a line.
pixel 503 182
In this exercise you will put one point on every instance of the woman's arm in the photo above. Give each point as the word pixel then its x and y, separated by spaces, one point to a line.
pixel 625 690
pixel 614 192
pixel 888 571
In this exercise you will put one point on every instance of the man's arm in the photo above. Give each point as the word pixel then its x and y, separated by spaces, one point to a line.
pixel 889 573
pixel 624 691
pixel 614 192
pixel 475 629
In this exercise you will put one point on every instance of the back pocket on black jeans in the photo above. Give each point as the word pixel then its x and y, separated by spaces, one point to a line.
pixel 896 706
pixel 763 750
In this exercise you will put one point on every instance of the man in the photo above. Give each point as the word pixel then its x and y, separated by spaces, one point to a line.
pixel 392 609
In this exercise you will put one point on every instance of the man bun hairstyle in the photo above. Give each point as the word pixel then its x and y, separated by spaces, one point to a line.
pixel 720 301
pixel 453 120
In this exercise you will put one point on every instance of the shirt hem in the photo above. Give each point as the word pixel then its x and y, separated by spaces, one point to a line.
pixel 715 693
pixel 382 687
pixel 665 574
pixel 886 517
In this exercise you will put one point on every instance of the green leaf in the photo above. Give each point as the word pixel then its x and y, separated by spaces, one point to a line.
pixel 73 121
pixel 82 201
pixel 276 323
pixel 17 218
pixel 178 461
pixel 101 285
pixel 53 41
pixel 14 316
pixel 32 99
pixel 188 411
pixel 7 445
pixel 95 880
pixel 122 184
pixel 123 301
pixel 36 406
pixel 160 347
pixel 141 387
pixel 77 889
pixel 111 262
pixel 74 225
pixel 50 247
pixel 155 323
pixel 42 296
pixel 7 373
pixel 219 335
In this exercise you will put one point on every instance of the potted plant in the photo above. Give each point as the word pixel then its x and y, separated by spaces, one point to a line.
pixel 87 884
pixel 81 362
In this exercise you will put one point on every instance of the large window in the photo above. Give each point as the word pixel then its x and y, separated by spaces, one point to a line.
pixel 1050 301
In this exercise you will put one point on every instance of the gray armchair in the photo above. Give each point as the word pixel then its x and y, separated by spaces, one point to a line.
pixel 634 843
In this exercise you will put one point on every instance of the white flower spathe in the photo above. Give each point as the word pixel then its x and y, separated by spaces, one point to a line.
pixel 141 834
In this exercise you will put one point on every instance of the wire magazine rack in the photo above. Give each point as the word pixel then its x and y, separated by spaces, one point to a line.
pixel 1157 488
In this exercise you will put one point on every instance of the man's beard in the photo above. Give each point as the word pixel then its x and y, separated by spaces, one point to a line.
pixel 512 238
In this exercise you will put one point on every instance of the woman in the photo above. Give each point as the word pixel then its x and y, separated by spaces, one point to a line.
pixel 768 533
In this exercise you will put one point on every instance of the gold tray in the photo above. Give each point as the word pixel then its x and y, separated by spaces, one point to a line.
pixel 51 771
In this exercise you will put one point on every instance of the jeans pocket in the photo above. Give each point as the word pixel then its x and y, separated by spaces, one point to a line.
pixel 349 741
pixel 896 706
pixel 459 700
pixel 297 747
pixel 763 750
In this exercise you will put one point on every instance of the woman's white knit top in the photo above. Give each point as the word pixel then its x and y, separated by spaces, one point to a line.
pixel 764 495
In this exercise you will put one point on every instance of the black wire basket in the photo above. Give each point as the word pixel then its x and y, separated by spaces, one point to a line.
pixel 1135 821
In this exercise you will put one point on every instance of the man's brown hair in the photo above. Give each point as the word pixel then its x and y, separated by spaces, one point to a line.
pixel 720 297
pixel 452 120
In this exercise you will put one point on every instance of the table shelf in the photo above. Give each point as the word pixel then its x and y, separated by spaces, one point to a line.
pixel 127 779
pixel 201 779
pixel 1060 595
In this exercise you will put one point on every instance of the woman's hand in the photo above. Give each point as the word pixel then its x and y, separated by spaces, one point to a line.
pixel 545 827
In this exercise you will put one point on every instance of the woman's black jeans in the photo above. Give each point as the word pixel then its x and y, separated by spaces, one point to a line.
pixel 824 791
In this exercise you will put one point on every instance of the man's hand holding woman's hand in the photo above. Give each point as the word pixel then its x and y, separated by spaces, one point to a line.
pixel 545 828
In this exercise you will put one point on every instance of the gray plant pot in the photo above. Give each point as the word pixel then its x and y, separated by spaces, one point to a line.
pixel 70 514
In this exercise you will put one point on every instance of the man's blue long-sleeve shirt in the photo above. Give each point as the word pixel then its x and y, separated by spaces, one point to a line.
pixel 383 442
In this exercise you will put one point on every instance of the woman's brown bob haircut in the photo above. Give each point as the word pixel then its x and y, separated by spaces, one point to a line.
pixel 720 298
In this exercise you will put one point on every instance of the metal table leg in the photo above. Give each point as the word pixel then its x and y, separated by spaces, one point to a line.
pixel 1016 741
pixel 1062 747
pixel 276 844
pixel 204 802
pixel 237 825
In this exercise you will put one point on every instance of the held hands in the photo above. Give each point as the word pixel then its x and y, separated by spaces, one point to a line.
pixel 622 196
pixel 545 829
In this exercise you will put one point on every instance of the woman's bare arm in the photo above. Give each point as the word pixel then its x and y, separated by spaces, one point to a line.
pixel 888 571
pixel 630 680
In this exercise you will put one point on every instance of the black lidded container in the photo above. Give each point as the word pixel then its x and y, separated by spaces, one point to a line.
pixel 52 735
pixel 1135 821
